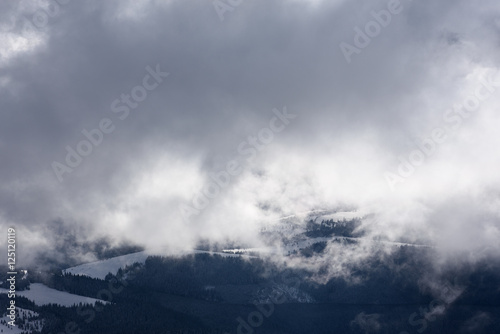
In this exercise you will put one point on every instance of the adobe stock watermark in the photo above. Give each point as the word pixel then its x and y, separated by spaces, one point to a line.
pixel 223 6
pixel 453 119
pixel 256 318
pixel 247 150
pixel 41 17
pixel 11 274
pixel 373 28
pixel 121 107
pixel 420 320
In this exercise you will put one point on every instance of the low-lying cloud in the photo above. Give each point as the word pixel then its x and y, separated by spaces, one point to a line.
pixel 357 122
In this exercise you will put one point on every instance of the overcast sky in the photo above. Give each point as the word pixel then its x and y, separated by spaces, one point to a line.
pixel 314 105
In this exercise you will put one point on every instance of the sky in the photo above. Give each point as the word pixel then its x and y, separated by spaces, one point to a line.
pixel 167 122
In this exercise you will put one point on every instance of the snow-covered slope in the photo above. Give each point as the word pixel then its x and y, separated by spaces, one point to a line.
pixel 339 216
pixel 43 295
pixel 99 269
pixel 23 316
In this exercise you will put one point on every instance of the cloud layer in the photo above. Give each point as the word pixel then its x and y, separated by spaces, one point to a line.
pixel 355 140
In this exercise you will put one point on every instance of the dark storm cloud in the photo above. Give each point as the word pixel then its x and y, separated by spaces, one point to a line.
pixel 353 119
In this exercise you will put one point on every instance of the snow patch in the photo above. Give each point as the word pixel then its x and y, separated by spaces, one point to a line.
pixel 340 216
pixel 25 319
pixel 41 294
pixel 100 269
